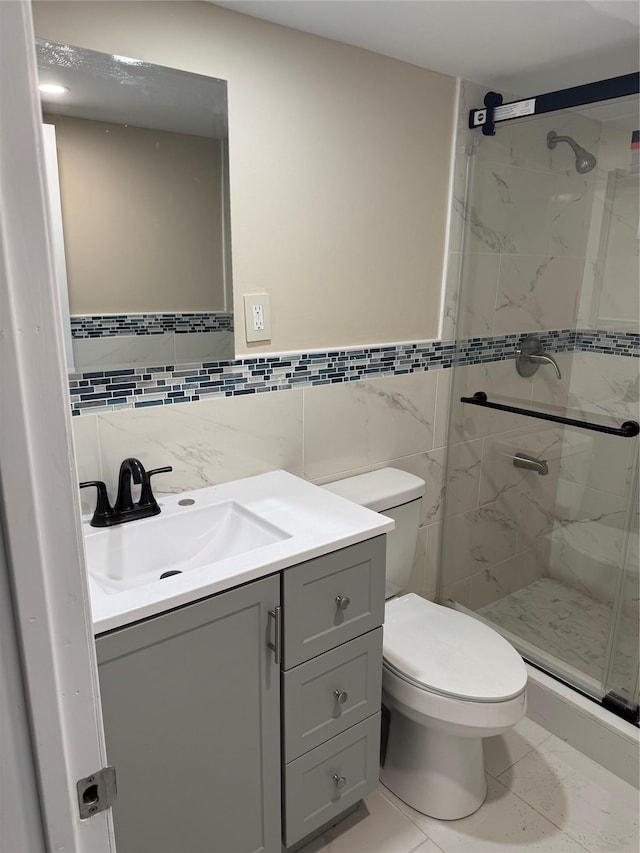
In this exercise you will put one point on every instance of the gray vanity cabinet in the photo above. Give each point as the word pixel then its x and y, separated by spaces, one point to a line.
pixel 191 705
pixel 331 685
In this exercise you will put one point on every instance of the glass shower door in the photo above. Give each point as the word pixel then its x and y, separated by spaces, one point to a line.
pixel 540 530
pixel 622 671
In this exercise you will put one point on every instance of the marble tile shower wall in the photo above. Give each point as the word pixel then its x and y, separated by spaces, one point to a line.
pixel 590 539
pixel 528 238
pixel 497 516
pixel 525 233
pixel 589 534
pixel 504 527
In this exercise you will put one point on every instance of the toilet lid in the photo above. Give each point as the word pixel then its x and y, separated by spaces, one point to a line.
pixel 449 652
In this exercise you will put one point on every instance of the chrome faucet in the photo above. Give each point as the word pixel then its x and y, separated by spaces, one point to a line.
pixel 124 508
pixel 530 355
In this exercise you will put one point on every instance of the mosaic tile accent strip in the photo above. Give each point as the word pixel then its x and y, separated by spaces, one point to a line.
pixel 110 325
pixel 609 343
pixel 164 385
pixel 480 350
pixel 157 386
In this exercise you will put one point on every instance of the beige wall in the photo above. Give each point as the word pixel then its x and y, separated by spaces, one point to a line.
pixel 339 163
pixel 142 218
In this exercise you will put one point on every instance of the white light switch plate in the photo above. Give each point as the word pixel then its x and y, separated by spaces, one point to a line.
pixel 257 317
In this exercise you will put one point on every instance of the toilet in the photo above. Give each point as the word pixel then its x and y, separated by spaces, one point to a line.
pixel 448 679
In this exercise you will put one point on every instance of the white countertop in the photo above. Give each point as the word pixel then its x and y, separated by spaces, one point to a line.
pixel 316 520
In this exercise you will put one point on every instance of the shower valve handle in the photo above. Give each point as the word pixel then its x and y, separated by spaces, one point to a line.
pixel 545 358
pixel 530 355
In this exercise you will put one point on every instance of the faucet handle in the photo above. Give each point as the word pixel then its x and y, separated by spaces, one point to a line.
pixel 165 470
pixel 530 355
pixel 103 510
pixel 146 495
pixel 545 358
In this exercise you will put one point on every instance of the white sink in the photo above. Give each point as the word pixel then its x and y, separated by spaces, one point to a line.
pixel 216 537
pixel 141 552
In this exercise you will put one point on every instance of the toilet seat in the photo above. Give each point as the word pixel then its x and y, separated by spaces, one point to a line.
pixel 439 650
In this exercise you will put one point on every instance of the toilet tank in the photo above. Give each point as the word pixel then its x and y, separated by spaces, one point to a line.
pixel 398 495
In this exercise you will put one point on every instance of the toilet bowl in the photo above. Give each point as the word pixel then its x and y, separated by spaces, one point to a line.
pixel 448 680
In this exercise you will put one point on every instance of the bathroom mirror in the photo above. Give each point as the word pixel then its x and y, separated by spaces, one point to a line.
pixel 137 168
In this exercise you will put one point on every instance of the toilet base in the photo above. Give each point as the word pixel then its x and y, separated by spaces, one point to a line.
pixel 436 773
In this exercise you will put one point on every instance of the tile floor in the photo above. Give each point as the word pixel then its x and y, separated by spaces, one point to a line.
pixel 543 795
pixel 569 625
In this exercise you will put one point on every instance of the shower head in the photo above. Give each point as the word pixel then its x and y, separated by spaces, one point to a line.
pixel 585 161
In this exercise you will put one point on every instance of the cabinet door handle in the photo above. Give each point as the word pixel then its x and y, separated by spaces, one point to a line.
pixel 340 781
pixel 342 601
pixel 341 696
pixel 276 614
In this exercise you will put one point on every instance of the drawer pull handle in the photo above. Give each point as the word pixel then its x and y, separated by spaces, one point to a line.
pixel 340 781
pixel 343 601
pixel 341 696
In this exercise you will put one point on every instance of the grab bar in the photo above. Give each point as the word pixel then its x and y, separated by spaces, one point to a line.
pixel 627 430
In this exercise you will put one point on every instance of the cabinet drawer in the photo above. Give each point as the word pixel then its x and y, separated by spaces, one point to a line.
pixel 330 693
pixel 332 599
pixel 312 795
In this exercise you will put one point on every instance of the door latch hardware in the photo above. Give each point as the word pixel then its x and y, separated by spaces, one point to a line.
pixel 97 792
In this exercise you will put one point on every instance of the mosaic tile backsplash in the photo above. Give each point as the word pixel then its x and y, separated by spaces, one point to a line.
pixel 163 385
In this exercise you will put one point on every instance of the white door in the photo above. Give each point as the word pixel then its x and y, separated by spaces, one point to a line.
pixel 38 489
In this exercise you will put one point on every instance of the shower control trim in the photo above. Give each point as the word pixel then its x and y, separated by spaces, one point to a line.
pixel 530 355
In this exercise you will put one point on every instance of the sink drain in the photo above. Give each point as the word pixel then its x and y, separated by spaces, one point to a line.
pixel 169 573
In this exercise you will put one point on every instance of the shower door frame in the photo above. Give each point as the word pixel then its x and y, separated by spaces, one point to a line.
pixel 495 110
pixel 485 119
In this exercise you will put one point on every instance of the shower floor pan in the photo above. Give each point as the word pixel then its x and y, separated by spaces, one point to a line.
pixel 567 625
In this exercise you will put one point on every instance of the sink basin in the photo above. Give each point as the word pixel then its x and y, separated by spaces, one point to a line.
pixel 216 537
pixel 139 552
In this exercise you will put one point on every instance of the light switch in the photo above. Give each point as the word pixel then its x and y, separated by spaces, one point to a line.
pixel 257 317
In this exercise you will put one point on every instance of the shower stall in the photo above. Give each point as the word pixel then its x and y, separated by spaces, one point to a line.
pixel 540 530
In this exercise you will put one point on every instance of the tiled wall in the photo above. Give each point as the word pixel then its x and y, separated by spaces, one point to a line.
pixel 595 502
pixel 107 325
pixel 504 526
pixel 317 432
pixel 525 224
pixel 144 386
pixel 529 258
pixel 320 416
pixel 164 385
pixel 596 480
pixel 104 341
pixel 497 514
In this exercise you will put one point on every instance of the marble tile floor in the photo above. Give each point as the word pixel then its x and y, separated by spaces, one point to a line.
pixel 543 795
pixel 568 624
